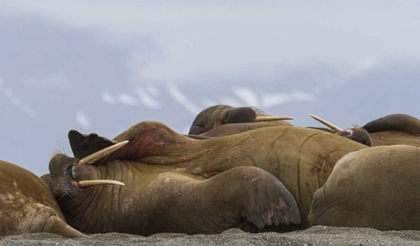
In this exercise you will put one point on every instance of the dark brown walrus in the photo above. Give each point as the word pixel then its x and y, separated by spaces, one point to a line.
pixel 394 129
pixel 376 187
pixel 177 184
pixel 388 130
pixel 223 120
pixel 358 134
pixel 27 205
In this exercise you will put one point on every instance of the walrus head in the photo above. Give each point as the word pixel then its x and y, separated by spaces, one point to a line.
pixel 356 133
pixel 72 175
pixel 69 176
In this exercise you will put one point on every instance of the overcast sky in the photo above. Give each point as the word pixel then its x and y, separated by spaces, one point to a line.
pixel 101 66
pixel 190 38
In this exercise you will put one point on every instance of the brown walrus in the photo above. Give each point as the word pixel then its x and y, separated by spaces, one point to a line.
pixel 259 178
pixel 388 130
pixel 27 205
pixel 232 120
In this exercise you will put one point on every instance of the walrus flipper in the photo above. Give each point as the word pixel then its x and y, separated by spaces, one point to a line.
pixel 275 207
pixel 83 145
pixel 394 122
pixel 244 197
pixel 258 197
pixel 56 225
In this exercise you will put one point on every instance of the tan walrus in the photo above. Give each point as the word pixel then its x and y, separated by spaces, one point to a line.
pixel 375 187
pixel 27 205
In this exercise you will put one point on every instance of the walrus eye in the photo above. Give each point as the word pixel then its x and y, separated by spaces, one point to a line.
pixel 345 133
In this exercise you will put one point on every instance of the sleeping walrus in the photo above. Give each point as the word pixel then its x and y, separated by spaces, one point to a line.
pixel 256 180
pixel 27 205
pixel 376 187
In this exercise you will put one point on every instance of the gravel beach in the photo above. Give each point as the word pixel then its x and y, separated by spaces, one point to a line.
pixel 317 235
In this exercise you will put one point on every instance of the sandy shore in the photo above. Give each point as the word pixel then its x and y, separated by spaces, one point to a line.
pixel 318 235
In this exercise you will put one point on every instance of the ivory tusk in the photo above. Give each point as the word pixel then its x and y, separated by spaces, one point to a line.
pixel 87 183
pixel 329 124
pixel 90 159
pixel 272 118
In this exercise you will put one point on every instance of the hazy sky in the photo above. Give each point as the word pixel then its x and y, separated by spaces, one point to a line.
pixel 190 38
pixel 101 66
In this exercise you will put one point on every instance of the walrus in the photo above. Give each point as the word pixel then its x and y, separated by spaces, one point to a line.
pixel 257 180
pixel 224 120
pixel 391 129
pixel 233 120
pixel 358 134
pixel 376 187
pixel 394 129
pixel 27 205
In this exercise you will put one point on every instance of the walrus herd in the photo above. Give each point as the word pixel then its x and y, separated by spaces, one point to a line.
pixel 236 168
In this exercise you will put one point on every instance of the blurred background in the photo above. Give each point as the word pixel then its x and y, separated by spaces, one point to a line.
pixel 102 66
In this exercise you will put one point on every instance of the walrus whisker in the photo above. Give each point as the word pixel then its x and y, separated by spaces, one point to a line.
pixel 327 123
pixel 90 159
pixel 272 118
pixel 64 195
pixel 87 183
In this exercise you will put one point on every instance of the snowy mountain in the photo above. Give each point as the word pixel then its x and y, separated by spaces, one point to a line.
pixel 37 118
pixel 55 78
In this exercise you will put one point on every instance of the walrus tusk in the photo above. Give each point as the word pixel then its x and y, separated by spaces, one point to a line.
pixel 90 159
pixel 329 124
pixel 87 183
pixel 271 118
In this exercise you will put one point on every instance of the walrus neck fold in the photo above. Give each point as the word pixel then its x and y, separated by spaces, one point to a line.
pixel 148 139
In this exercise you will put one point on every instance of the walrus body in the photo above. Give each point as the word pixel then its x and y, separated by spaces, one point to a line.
pixel 178 184
pixel 376 187
pixel 27 205
pixel 394 138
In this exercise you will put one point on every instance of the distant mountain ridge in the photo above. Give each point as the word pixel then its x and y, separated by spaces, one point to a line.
pixel 53 79
pixel 31 140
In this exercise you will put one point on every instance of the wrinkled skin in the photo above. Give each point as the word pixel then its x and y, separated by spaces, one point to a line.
pixel 394 129
pixel 175 183
pixel 356 134
pixel 376 187
pixel 27 206
pixel 224 120
pixel 234 128
pixel 216 116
